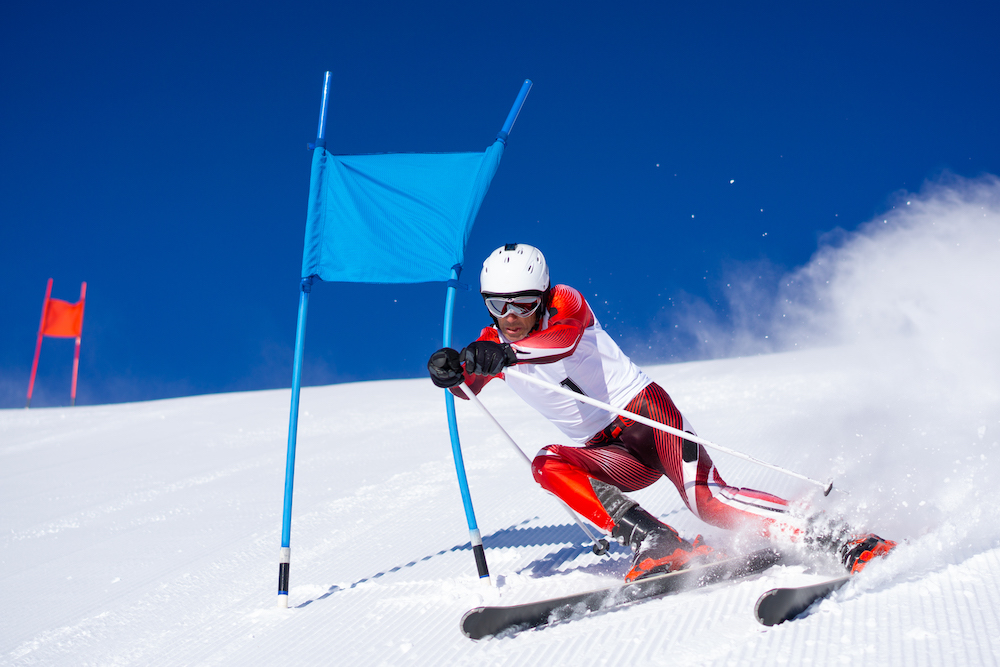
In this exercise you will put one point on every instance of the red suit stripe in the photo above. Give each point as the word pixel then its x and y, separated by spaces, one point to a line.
pixel 632 456
pixel 626 454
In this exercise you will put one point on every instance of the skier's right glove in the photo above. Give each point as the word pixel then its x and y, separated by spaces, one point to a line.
pixel 445 368
pixel 484 357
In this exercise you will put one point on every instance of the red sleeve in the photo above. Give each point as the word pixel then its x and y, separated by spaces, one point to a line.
pixel 569 316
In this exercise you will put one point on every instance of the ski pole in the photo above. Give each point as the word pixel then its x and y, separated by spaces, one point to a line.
pixel 826 486
pixel 600 545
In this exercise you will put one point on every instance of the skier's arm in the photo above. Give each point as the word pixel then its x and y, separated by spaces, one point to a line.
pixel 569 317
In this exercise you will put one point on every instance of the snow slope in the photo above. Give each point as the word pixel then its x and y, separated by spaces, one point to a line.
pixel 149 533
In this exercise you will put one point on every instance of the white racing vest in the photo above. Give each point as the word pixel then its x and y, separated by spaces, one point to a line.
pixel 598 368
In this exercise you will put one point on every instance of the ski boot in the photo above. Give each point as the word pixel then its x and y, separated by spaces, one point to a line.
pixel 859 549
pixel 657 548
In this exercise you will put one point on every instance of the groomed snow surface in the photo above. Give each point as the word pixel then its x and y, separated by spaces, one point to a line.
pixel 149 533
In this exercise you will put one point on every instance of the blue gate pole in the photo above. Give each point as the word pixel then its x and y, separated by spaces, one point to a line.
pixel 475 538
pixel 305 287
pixel 514 111
pixel 284 561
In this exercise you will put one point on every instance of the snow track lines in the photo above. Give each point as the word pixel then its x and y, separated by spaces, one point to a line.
pixel 146 534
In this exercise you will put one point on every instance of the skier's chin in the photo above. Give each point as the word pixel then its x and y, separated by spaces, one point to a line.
pixel 514 335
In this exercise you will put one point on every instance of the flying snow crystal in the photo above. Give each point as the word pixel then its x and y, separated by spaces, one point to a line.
pixel 731 181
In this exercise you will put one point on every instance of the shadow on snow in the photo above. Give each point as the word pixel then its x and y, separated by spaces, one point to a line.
pixel 568 534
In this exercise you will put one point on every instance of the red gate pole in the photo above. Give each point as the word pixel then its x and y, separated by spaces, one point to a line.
pixel 76 354
pixel 38 345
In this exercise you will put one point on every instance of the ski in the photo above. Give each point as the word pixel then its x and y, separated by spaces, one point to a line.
pixel 783 604
pixel 485 621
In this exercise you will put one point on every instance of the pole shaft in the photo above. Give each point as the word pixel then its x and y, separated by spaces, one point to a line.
pixel 663 427
pixel 475 399
pixel 293 423
pixel 38 344
pixel 76 369
pixel 293 419
pixel 321 131
pixel 305 287
pixel 514 111
pixel 475 538
pixel 76 352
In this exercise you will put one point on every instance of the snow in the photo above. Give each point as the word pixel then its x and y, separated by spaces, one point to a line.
pixel 149 533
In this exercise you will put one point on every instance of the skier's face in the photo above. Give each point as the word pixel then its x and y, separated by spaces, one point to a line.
pixel 515 328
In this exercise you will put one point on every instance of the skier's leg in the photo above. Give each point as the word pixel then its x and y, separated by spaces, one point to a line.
pixel 699 483
pixel 590 480
pixel 730 507
pixel 706 493
pixel 569 472
pixel 734 508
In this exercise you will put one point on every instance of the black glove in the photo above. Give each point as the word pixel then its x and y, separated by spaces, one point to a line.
pixel 484 357
pixel 445 368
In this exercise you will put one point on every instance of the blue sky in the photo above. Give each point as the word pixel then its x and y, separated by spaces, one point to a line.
pixel 666 150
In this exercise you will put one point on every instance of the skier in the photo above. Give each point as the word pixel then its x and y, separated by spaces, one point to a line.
pixel 551 333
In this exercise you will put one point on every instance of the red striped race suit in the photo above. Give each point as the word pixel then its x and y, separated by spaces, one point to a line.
pixel 570 348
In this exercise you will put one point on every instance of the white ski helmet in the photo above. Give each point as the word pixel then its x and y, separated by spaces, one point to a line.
pixel 514 269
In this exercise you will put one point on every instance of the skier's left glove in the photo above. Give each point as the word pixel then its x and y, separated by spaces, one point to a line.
pixel 445 369
pixel 484 357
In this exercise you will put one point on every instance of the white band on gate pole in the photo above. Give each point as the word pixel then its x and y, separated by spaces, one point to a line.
pixel 600 546
pixel 826 486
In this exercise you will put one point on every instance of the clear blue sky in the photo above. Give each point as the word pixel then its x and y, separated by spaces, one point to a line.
pixel 159 153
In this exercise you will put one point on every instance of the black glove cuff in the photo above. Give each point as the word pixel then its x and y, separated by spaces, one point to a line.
pixel 511 354
pixel 447 383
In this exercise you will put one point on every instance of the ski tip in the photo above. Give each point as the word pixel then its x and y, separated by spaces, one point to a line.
pixel 468 625
pixel 784 604
pixel 762 610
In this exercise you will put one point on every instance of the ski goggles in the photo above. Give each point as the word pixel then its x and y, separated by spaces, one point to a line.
pixel 521 306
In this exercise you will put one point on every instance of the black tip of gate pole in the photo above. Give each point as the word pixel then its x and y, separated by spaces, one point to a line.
pixel 480 555
pixel 283 578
